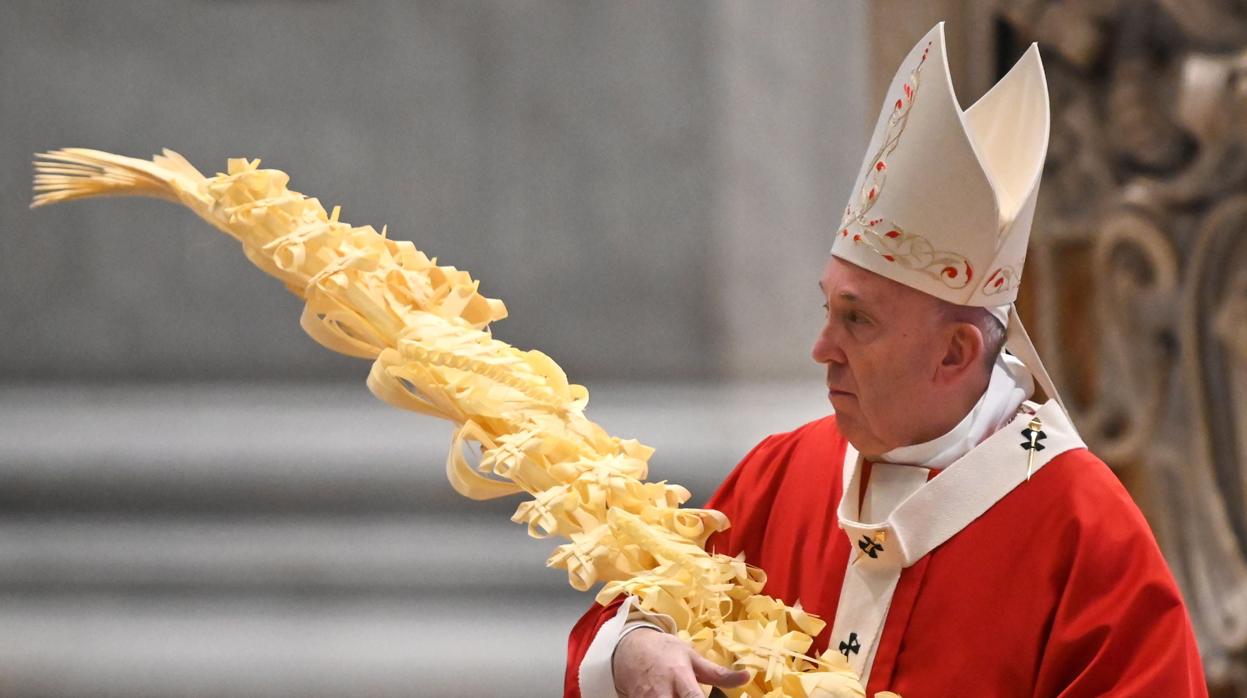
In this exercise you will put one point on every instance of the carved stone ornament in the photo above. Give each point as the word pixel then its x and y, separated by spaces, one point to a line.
pixel 1137 281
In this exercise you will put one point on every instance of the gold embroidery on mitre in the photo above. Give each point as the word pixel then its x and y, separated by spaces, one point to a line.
pixel 896 245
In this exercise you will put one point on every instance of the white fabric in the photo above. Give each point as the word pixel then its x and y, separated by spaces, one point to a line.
pixel 931 513
pixel 944 199
pixel 865 599
pixel 1010 384
pixel 858 624
pixel 1019 342
pixel 890 484
pixel 968 488
pixel 1001 313
pixel 596 674
pixel 637 625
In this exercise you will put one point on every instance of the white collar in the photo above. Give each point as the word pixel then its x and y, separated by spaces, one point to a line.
pixel 1010 385
pixel 938 509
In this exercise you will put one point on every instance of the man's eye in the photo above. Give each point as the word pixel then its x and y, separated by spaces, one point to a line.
pixel 827 308
pixel 855 317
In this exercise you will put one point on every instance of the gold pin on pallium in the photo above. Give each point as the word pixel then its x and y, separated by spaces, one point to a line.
pixel 1034 427
pixel 871 546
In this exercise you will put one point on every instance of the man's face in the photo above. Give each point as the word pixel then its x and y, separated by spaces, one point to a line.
pixel 882 345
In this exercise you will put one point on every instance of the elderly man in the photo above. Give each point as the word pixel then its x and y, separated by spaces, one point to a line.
pixel 958 536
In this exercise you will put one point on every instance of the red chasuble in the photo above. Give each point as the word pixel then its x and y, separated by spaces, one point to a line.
pixel 1058 590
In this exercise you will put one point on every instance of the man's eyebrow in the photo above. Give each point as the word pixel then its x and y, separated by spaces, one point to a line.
pixel 848 296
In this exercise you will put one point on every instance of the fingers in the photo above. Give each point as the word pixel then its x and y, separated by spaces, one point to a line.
pixel 686 686
pixel 654 664
pixel 710 673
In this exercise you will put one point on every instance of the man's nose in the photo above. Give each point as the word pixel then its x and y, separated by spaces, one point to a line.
pixel 827 348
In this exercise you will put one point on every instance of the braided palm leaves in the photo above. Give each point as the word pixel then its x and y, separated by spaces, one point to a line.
pixel 426 329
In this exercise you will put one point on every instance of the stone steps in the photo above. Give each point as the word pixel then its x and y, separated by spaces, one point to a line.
pixel 222 645
pixel 295 540
pixel 293 554
pixel 323 448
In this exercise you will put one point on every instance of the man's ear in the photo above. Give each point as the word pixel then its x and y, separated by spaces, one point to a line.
pixel 963 351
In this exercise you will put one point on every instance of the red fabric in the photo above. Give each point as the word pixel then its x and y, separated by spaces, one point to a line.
pixel 1058 591
pixel 581 637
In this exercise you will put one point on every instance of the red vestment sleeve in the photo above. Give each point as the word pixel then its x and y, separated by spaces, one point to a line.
pixel 1120 627
pixel 726 500
pixel 743 487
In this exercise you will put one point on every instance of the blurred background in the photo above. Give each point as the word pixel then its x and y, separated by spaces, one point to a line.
pixel 197 500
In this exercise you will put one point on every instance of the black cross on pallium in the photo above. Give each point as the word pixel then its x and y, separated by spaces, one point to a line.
pixel 870 547
pixel 1033 437
pixel 850 647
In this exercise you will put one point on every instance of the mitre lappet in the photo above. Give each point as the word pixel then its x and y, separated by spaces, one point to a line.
pixel 945 197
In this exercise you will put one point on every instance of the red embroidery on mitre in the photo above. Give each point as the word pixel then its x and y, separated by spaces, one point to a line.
pixel 916 253
pixel 1002 280
pixel 910 250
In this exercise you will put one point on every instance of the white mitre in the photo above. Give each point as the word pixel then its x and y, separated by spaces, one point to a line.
pixel 945 197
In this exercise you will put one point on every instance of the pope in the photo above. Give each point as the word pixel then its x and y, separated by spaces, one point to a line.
pixel 948 522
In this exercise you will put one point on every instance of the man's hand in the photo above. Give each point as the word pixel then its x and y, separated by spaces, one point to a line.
pixel 653 664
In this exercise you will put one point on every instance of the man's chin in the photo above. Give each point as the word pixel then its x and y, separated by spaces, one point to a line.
pixel 855 432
